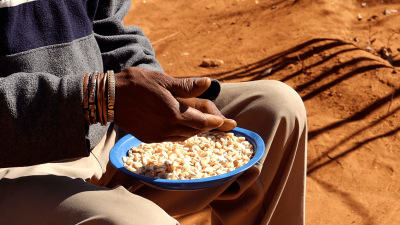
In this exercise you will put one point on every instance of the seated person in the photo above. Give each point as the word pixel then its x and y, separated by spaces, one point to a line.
pixel 55 145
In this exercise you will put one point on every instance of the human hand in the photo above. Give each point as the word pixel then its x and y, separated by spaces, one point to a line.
pixel 207 106
pixel 145 106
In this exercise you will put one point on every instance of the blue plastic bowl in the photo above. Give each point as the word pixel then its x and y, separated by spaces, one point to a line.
pixel 122 147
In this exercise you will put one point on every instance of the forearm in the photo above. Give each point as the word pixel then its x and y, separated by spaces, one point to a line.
pixel 41 119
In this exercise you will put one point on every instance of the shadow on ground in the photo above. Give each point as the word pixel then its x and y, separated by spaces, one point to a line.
pixel 309 68
pixel 316 82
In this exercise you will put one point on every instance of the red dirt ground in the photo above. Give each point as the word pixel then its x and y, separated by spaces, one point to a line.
pixel 351 94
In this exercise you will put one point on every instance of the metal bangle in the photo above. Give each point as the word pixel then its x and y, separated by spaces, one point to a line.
pixel 99 100
pixel 104 99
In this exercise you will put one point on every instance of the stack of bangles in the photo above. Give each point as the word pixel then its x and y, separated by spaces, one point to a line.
pixel 99 97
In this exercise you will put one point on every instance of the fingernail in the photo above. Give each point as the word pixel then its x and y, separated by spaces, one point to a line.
pixel 201 81
pixel 232 122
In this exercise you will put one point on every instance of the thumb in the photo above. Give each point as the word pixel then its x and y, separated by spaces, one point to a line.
pixel 188 87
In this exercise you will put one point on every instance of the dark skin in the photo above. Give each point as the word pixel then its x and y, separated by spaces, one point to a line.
pixel 156 107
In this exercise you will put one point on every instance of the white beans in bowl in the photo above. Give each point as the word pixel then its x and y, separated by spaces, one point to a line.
pixel 209 154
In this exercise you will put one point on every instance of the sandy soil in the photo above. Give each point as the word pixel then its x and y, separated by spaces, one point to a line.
pixel 318 48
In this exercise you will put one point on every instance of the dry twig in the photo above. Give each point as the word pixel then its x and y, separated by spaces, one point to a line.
pixel 303 67
pixel 389 43
pixel 335 160
pixel 371 35
pixel 391 100
pixel 162 39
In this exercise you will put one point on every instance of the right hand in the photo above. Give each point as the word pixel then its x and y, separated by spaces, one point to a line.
pixel 146 107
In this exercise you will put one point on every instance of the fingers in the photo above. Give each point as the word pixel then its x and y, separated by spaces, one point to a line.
pixel 201 121
pixel 203 105
pixel 206 106
pixel 185 132
pixel 188 88
pixel 228 125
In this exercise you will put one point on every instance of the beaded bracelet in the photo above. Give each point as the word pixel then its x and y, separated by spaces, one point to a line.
pixel 111 95
pixel 97 105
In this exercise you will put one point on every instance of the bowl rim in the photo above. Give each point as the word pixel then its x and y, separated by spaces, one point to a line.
pixel 254 139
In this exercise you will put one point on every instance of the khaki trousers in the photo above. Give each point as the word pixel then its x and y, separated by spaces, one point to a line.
pixel 90 191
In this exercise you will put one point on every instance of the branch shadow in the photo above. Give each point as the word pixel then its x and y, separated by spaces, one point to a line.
pixel 396 63
pixel 279 61
pixel 313 167
pixel 360 115
pixel 355 206
pixel 315 85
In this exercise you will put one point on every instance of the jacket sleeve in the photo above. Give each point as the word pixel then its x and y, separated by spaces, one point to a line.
pixel 121 46
pixel 40 119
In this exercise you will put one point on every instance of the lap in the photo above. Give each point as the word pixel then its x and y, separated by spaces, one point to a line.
pixel 258 106
pixel 50 199
pixel 273 110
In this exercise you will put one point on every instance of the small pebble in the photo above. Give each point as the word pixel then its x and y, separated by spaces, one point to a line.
pixel 363 4
pixel 374 17
pixel 369 48
pixel 387 12
pixel 356 39
pixel 211 62
pixel 359 17
pixel 267 71
pixel 273 7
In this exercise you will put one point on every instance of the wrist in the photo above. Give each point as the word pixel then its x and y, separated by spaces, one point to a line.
pixel 98 97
